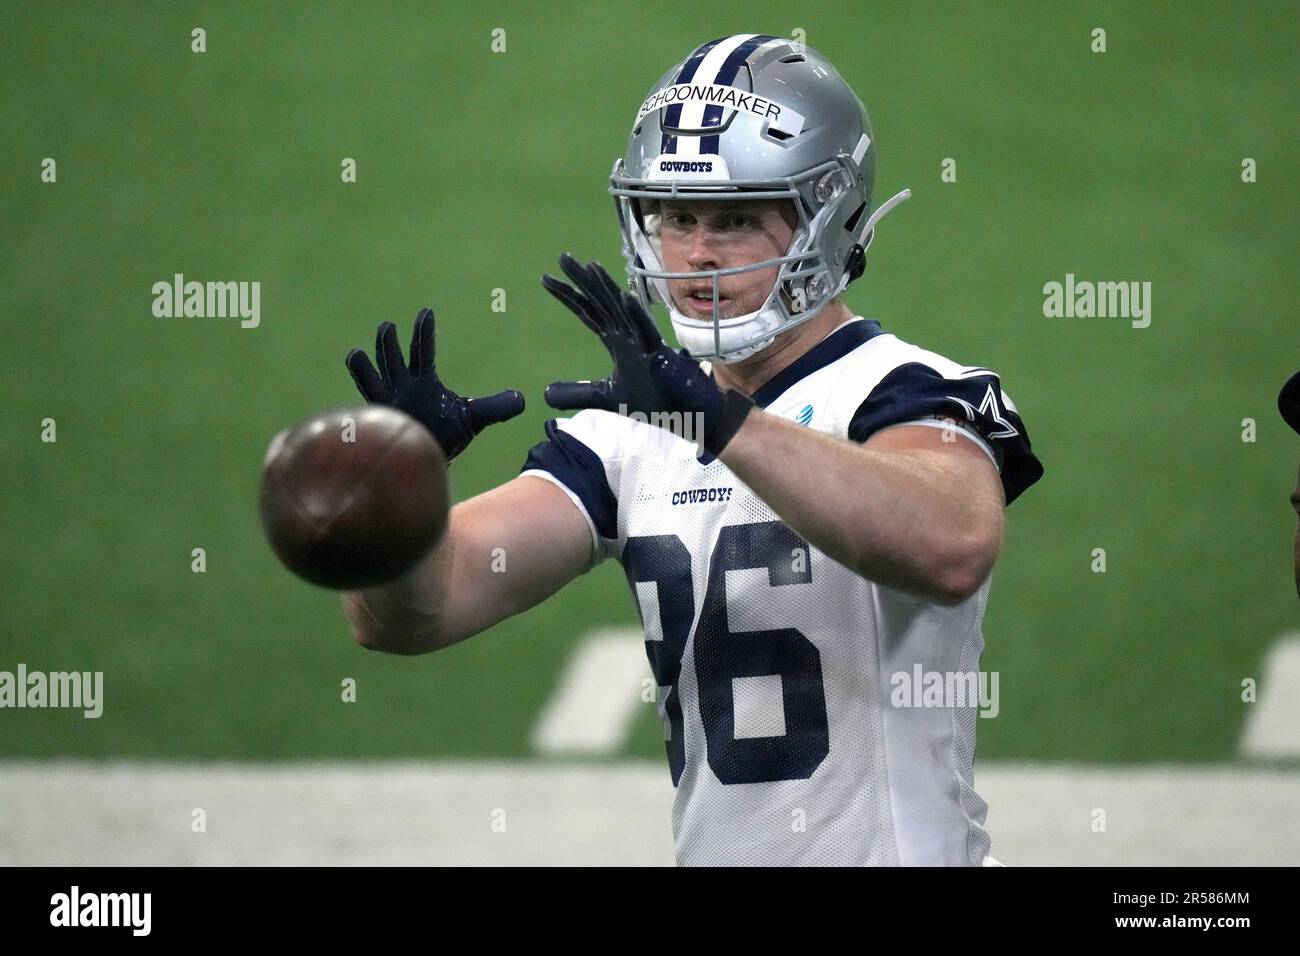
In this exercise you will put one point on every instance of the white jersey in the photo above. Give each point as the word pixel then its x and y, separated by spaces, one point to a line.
pixel 777 666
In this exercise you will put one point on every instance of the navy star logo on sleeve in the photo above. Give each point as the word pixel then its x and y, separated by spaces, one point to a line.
pixel 991 407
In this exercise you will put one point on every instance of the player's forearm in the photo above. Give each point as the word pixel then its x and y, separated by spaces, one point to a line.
pixel 505 551
pixel 901 520
pixel 405 616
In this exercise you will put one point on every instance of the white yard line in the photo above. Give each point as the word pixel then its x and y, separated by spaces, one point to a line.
pixel 1273 720
pixel 83 813
pixel 597 700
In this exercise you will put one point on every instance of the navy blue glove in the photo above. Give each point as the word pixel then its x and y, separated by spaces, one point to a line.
pixel 453 420
pixel 649 378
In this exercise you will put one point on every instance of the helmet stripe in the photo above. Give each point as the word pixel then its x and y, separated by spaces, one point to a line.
pixel 668 144
pixel 727 76
pixel 692 114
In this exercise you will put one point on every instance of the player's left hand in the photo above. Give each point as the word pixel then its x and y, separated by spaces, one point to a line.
pixel 418 391
pixel 648 376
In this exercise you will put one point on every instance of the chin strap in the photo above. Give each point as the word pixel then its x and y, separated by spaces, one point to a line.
pixel 858 256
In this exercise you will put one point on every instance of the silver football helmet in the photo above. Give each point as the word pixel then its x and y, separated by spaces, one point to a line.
pixel 751 117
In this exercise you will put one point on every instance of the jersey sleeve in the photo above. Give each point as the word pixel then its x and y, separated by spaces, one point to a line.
pixel 581 456
pixel 972 398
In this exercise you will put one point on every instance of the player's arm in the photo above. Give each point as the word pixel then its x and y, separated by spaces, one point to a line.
pixel 504 551
pixel 907 509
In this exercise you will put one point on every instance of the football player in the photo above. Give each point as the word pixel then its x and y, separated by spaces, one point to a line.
pixel 805 505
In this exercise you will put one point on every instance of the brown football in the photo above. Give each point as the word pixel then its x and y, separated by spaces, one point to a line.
pixel 354 498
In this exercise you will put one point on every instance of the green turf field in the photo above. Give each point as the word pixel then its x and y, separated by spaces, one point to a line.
pixel 475 170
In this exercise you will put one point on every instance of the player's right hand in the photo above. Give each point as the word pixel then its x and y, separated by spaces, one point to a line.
pixel 648 377
pixel 417 390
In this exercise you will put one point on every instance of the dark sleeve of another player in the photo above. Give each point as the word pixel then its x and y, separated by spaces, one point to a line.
pixel 580 470
pixel 914 391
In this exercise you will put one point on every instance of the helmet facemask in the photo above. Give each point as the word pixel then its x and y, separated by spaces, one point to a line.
pixel 805 282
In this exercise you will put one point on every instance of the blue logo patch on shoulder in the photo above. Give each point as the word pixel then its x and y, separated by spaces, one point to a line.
pixel 805 415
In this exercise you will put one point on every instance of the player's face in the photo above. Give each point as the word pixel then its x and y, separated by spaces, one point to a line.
pixel 696 236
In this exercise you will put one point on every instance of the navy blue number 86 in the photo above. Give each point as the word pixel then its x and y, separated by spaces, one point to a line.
pixel 722 655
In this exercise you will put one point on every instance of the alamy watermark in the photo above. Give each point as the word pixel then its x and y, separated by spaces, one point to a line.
pixel 1103 300
pixel 921 688
pixel 130 910
pixel 687 426
pixel 208 300
pixel 55 689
